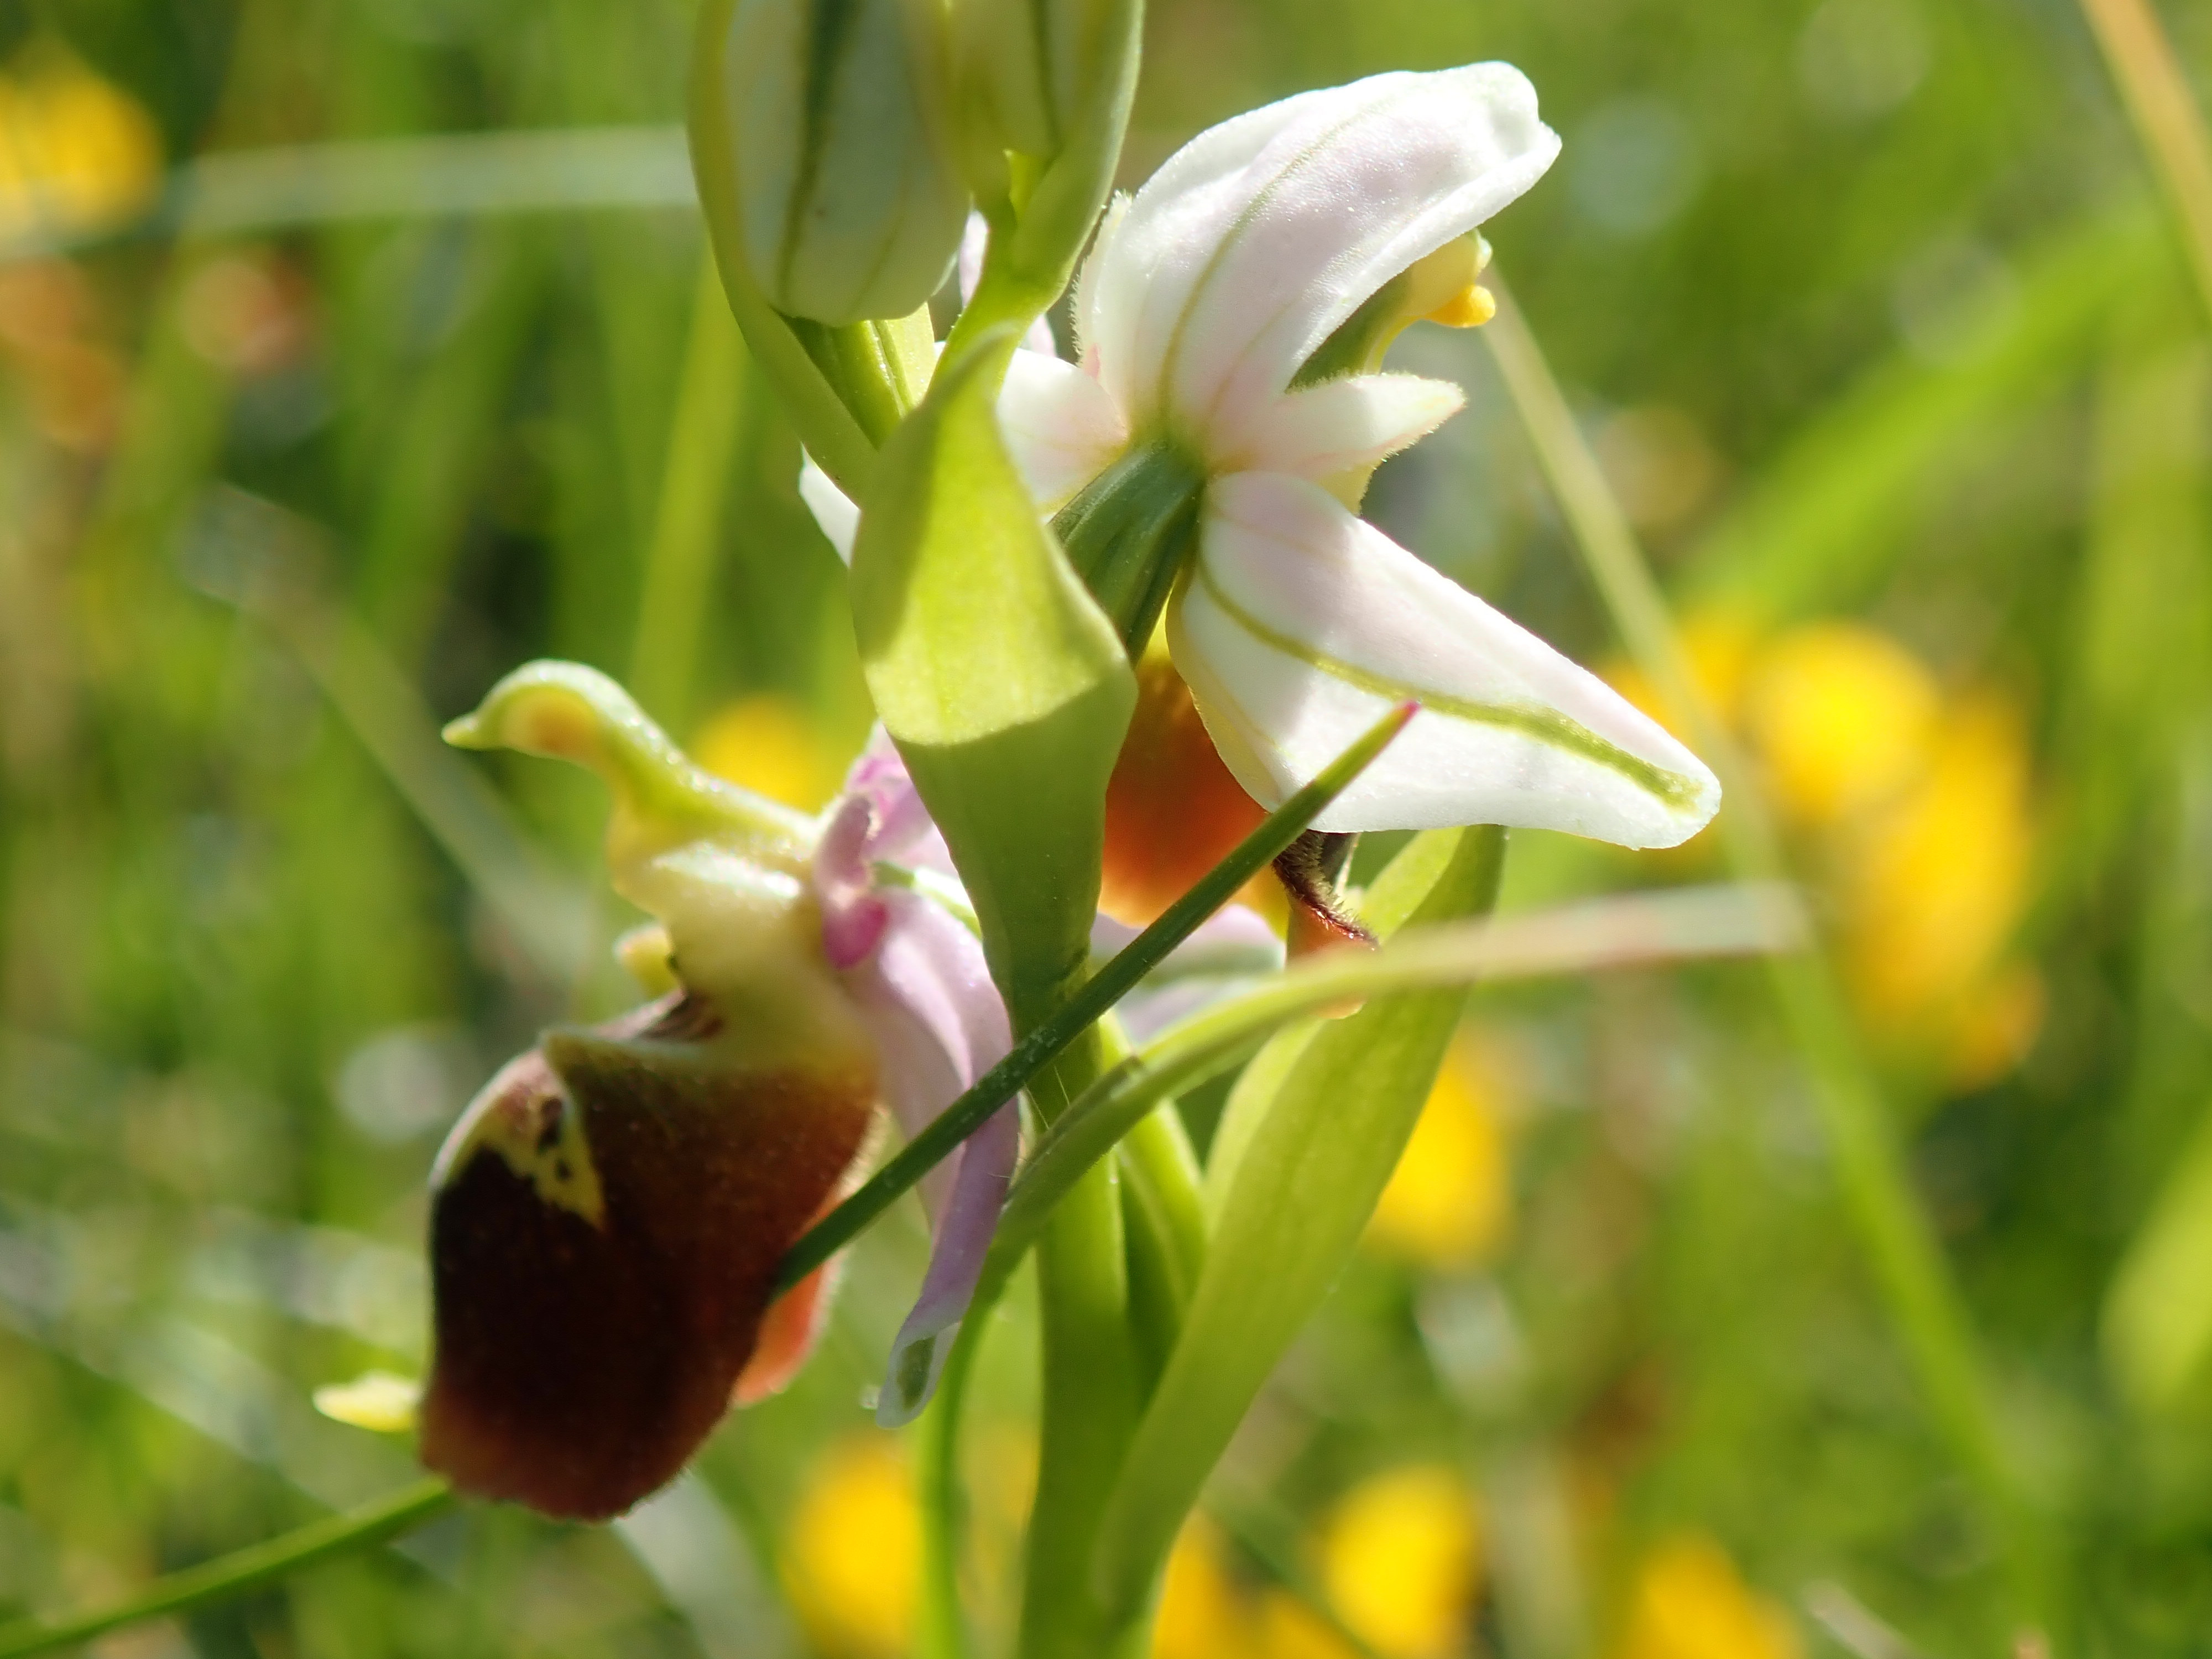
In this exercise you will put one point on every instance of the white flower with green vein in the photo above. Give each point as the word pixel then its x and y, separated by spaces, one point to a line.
pixel 1232 319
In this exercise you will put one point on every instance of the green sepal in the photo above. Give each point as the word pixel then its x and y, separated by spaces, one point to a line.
pixel 1005 687
pixel 1313 1131
pixel 1130 531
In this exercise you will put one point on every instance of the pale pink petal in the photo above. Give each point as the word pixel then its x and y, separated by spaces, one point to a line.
pixel 1339 425
pixel 1303 625
pixel 1252 244
pixel 901 830
pixel 1059 426
pixel 854 915
pixel 955 1262
pixel 927 999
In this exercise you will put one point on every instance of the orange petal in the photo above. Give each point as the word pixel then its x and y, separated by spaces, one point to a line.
pixel 602 1247
pixel 1173 809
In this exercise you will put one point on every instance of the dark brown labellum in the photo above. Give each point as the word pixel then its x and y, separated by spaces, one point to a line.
pixel 603 1240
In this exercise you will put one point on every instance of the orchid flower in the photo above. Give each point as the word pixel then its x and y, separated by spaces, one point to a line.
pixel 609 1215
pixel 1231 319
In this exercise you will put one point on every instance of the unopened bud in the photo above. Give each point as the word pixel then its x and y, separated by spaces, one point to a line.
pixel 820 139
pixel 1029 64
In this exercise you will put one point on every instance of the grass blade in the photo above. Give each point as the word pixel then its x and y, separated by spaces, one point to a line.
pixel 374 1522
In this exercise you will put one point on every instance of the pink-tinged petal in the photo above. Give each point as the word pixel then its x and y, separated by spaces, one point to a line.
pixel 970 1217
pixel 902 831
pixel 835 514
pixel 1303 625
pixel 1060 427
pixel 938 1024
pixel 1253 243
pixel 926 998
pixel 853 915
pixel 1087 307
pixel 1340 425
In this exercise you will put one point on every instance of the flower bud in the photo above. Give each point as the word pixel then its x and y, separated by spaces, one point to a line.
pixel 819 136
pixel 1031 64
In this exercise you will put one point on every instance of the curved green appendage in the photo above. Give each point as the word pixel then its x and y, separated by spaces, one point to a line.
pixel 566 711
pixel 229 1576
pixel 1131 532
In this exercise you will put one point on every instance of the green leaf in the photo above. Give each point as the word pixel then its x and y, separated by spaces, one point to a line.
pixel 1822 525
pixel 2158 1315
pixel 1642 930
pixel 1313 1131
pixel 1003 683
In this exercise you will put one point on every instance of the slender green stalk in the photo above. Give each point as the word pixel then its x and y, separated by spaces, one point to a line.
pixel 1915 1279
pixel 2166 119
pixel 694 487
pixel 942 1631
pixel 1091 1393
pixel 374 1522
pixel 1052 1035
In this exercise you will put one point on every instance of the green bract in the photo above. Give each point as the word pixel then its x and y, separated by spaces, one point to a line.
pixel 839 183
pixel 1027 68
pixel 1006 688
pixel 1130 532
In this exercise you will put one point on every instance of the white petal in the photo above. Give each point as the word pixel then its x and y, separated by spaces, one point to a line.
pixel 1302 625
pixel 1059 426
pixel 835 512
pixel 1252 244
pixel 1342 424
pixel 1085 313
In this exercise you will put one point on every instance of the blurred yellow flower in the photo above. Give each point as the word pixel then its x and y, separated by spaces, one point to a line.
pixel 1288 1628
pixel 768 743
pixel 1689 1603
pixel 1935 887
pixel 1203 1614
pixel 852 1554
pixel 1842 717
pixel 1400 1556
pixel 77 153
pixel 1449 1200
pixel 1719 644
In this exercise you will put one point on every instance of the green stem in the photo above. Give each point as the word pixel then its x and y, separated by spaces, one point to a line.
pixel 943 1632
pixel 2167 121
pixel 375 1522
pixel 1081 1010
pixel 1090 1400
pixel 1915 1280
